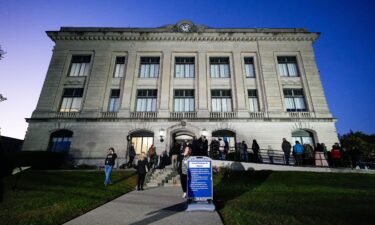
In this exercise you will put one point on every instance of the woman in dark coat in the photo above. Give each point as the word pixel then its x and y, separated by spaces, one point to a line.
pixel 141 171
pixel 255 148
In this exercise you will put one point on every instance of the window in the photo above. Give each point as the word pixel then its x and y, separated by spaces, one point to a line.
pixel 146 100
pixel 304 137
pixel 60 141
pixel 249 67
pixel 80 66
pixel 149 67
pixel 226 135
pixel 253 100
pixel 294 100
pixel 183 100
pixel 119 67
pixel 288 66
pixel 221 100
pixel 184 67
pixel 142 141
pixel 114 100
pixel 219 67
pixel 71 100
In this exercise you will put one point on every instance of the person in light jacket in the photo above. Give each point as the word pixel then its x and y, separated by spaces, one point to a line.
pixel 298 153
pixel 183 164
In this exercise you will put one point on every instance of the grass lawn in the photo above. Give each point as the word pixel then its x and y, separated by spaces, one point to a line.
pixel 56 197
pixel 267 197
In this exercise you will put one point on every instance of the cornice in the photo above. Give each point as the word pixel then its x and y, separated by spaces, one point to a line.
pixel 237 37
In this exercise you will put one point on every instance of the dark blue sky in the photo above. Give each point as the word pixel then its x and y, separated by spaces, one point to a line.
pixel 345 52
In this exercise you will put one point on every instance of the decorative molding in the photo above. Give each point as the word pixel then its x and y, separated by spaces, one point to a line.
pixel 183 37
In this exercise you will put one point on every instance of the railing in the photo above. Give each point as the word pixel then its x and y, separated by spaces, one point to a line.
pixel 300 114
pixel 257 114
pixel 183 115
pixel 109 115
pixel 143 114
pixel 217 115
pixel 67 114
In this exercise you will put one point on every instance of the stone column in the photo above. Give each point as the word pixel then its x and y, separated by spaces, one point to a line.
pixel 164 87
pixel 128 86
pixel 201 93
pixel 238 87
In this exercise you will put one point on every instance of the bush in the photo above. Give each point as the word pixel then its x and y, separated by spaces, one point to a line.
pixel 39 159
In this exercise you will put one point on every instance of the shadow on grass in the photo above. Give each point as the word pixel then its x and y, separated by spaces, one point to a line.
pixel 234 183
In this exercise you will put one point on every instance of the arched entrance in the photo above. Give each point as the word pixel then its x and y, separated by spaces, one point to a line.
pixel 142 140
pixel 182 136
pixel 230 136
pixel 304 137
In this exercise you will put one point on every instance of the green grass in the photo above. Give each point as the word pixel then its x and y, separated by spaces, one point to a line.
pixel 43 198
pixel 266 197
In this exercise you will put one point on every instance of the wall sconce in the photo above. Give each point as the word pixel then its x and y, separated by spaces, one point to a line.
pixel 162 135
pixel 204 132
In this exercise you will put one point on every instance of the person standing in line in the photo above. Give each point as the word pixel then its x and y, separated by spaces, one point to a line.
pixel 255 147
pixel 131 154
pixel 286 147
pixel 109 163
pixel 222 149
pixel 183 164
pixel 298 153
pixel 152 157
pixel 174 153
pixel 141 171
pixel 245 154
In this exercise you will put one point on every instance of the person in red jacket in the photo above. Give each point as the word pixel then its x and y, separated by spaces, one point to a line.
pixel 335 156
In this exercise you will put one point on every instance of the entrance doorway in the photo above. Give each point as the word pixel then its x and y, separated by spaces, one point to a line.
pixel 142 141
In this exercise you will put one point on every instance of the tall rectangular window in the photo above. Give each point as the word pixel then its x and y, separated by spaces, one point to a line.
pixel 294 100
pixel 249 67
pixel 184 67
pixel 288 66
pixel 219 67
pixel 71 100
pixel 146 100
pixel 114 101
pixel 119 67
pixel 149 67
pixel 253 100
pixel 221 100
pixel 80 66
pixel 184 100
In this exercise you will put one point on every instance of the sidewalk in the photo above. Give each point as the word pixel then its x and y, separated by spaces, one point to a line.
pixel 162 205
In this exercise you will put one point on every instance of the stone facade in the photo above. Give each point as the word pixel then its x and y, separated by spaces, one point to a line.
pixel 95 129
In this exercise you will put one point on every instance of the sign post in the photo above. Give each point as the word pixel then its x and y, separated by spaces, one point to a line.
pixel 199 185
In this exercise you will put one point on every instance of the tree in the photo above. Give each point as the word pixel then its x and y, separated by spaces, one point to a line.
pixel 2 53
pixel 2 98
pixel 365 143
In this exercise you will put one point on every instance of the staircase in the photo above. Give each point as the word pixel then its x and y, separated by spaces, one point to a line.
pixel 167 177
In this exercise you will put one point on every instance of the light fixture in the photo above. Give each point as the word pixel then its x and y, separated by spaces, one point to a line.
pixel 162 134
pixel 204 132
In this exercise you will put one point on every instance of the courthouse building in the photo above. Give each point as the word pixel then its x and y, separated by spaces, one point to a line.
pixel 113 86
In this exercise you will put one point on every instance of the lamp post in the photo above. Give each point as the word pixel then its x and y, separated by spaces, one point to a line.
pixel 162 134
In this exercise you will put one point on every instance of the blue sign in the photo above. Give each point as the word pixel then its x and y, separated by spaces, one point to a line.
pixel 199 179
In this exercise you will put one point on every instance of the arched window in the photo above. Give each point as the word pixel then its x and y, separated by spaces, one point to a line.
pixel 228 135
pixel 304 137
pixel 142 140
pixel 60 141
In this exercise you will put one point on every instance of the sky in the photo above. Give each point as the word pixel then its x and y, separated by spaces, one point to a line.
pixel 345 51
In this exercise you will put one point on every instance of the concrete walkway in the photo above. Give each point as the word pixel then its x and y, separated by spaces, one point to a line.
pixel 162 205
